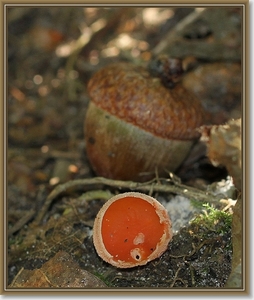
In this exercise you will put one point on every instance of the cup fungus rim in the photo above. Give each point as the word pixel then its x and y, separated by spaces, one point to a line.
pixel 161 245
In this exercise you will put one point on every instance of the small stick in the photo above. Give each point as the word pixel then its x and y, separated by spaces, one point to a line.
pixel 176 31
pixel 175 188
pixel 21 222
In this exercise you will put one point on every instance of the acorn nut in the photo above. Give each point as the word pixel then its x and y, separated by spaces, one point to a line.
pixel 138 123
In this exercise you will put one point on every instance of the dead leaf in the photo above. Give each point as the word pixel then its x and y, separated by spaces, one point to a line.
pixel 224 147
pixel 61 271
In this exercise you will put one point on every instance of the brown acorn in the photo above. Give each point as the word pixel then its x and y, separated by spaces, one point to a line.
pixel 136 126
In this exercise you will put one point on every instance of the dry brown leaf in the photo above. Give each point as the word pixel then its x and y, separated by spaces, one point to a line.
pixel 224 147
pixel 61 271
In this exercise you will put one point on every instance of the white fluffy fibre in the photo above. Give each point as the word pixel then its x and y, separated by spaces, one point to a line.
pixel 180 211
pixel 224 187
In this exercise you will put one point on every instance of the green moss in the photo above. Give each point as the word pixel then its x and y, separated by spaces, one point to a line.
pixel 102 278
pixel 214 219
pixel 197 204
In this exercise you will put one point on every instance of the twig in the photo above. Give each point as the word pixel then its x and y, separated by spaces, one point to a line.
pixel 16 277
pixel 175 188
pixel 21 222
pixel 177 30
pixel 176 278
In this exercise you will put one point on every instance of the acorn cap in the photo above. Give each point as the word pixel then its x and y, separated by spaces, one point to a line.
pixel 130 93
pixel 131 229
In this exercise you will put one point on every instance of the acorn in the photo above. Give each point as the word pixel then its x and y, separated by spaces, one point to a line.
pixel 141 122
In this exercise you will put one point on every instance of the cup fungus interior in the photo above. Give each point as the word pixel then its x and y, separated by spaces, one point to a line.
pixel 133 229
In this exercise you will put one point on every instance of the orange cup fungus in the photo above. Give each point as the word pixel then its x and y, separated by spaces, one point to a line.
pixel 131 229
